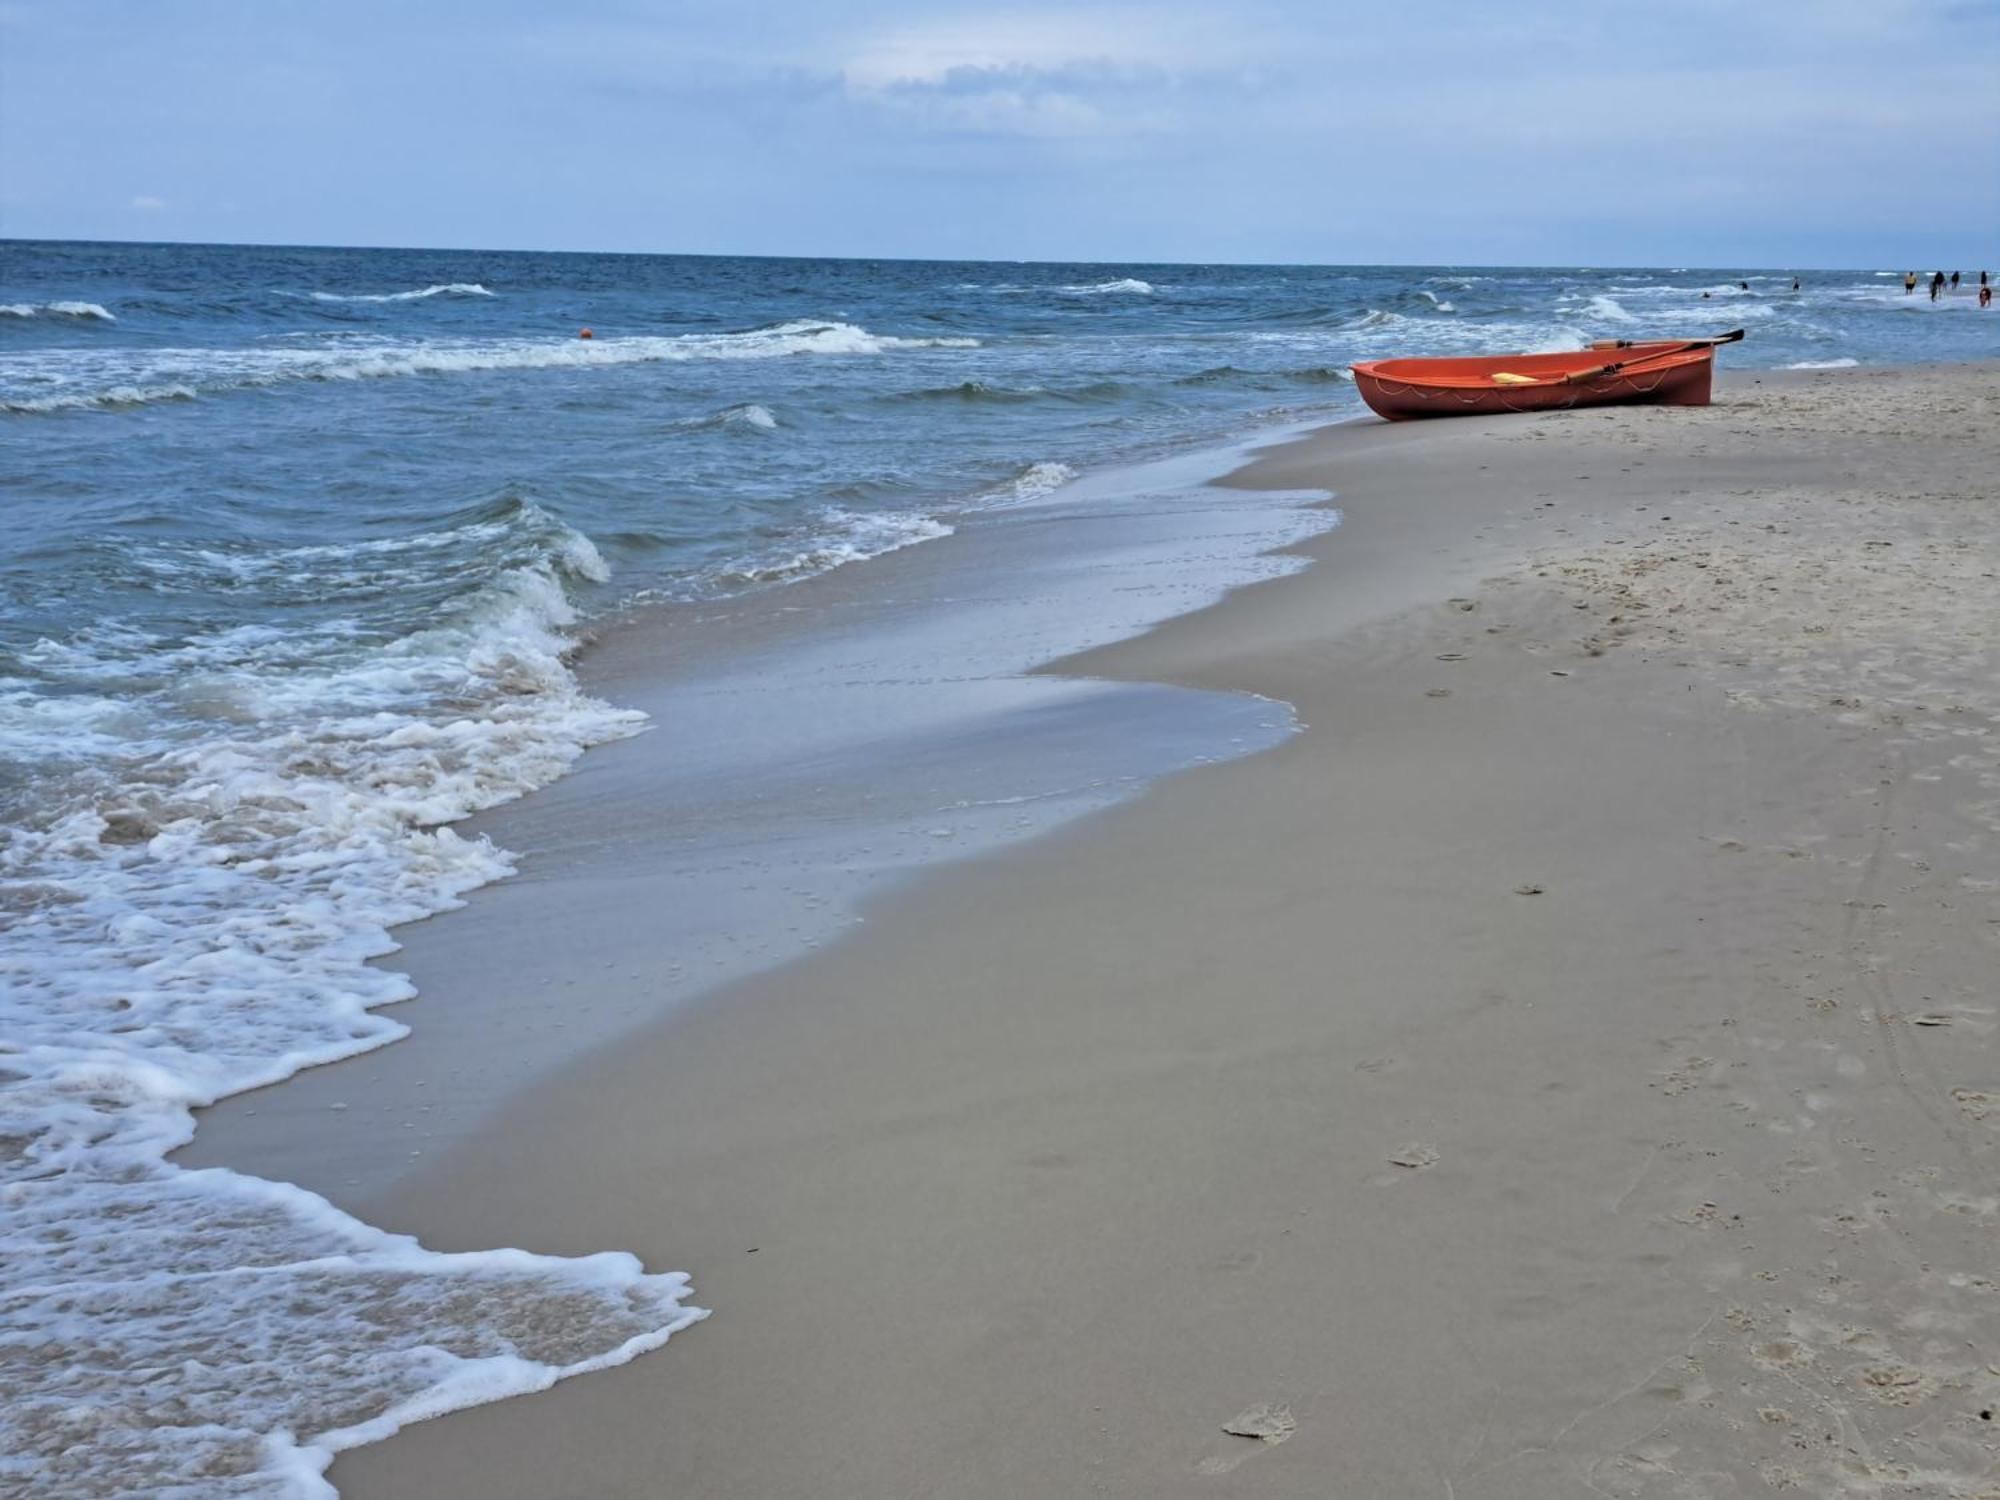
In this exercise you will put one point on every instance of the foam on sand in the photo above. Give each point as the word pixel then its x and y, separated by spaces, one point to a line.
pixel 198 912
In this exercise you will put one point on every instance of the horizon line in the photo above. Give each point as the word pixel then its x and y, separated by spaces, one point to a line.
pixel 910 259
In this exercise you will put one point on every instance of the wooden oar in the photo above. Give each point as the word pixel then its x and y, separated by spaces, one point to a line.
pixel 1721 338
pixel 1577 377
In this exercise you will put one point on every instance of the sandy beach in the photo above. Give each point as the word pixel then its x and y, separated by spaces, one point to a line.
pixel 1567 1067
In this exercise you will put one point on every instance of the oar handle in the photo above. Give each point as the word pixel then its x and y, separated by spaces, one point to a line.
pixel 1721 338
pixel 1577 377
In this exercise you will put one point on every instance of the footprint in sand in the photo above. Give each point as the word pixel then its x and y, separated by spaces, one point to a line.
pixel 1896 1385
pixel 1259 1427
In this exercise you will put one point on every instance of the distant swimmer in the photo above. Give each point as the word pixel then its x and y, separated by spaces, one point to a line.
pixel 1909 282
pixel 1985 295
pixel 1982 278
pixel 1795 283
pixel 1742 286
pixel 1954 281
pixel 1937 284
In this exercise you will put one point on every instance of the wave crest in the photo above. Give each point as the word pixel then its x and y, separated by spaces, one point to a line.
pixel 443 289
pixel 842 537
pixel 176 375
pixel 1036 482
pixel 89 311
pixel 1130 286
pixel 206 905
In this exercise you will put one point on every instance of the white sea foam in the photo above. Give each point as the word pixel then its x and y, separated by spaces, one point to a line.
pixel 840 537
pixel 1609 309
pixel 89 310
pixel 1824 364
pixel 108 397
pixel 749 414
pixel 447 289
pixel 1378 333
pixel 194 916
pixel 134 377
pixel 1126 285
pixel 1037 481
pixel 1735 312
pixel 1436 301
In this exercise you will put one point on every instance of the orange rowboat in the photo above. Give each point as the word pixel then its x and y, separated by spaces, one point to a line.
pixel 1669 373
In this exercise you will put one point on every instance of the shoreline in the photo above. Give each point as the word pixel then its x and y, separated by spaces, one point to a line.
pixel 1231 1097
pixel 804 753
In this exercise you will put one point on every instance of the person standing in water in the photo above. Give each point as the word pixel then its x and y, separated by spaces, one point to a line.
pixel 1909 282
pixel 1937 284
pixel 1985 295
pixel 1954 281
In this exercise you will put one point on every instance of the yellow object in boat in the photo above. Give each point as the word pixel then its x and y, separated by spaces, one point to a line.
pixel 1506 377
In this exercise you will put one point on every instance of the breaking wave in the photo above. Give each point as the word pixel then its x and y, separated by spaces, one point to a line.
pixel 840 537
pixel 1124 285
pixel 87 310
pixel 443 289
pixel 173 375
pixel 200 887
pixel 748 416
pixel 1036 482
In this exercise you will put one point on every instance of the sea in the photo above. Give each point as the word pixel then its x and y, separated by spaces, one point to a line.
pixel 299 553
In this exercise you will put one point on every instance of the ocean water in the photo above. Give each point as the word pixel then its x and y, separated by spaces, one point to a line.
pixel 297 549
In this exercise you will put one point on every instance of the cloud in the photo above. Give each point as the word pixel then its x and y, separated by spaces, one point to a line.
pixel 1105 72
pixel 147 203
pixel 936 53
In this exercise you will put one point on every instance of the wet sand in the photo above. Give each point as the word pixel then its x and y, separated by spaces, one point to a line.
pixel 1566 1068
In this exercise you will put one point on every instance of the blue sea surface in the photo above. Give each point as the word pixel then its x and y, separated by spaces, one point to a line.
pixel 297 549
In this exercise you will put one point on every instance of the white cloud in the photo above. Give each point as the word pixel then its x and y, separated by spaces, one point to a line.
pixel 931 54
pixel 1100 72
pixel 147 203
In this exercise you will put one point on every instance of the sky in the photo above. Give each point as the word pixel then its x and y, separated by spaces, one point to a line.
pixel 1585 132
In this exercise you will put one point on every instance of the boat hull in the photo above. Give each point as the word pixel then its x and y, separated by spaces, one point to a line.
pixel 1409 389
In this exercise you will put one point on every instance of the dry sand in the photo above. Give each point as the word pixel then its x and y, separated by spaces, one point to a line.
pixel 1568 1068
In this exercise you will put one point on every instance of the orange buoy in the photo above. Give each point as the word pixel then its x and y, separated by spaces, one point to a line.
pixel 585 334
